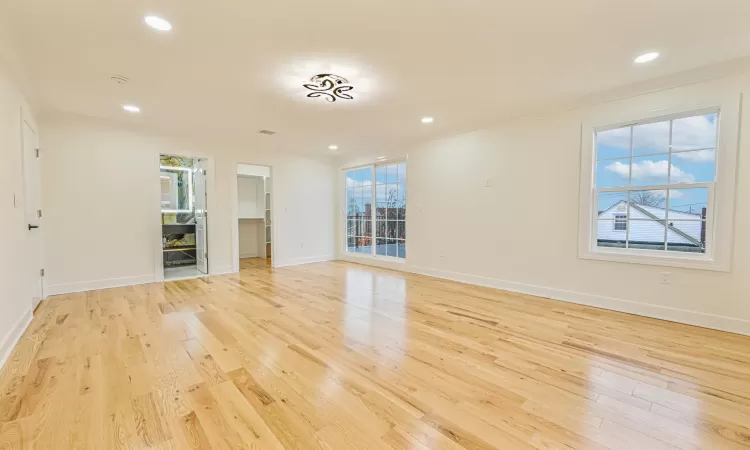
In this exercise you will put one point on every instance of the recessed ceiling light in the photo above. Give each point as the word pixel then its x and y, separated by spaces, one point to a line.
pixel 428 119
pixel 333 147
pixel 131 108
pixel 157 23
pixel 381 157
pixel 646 57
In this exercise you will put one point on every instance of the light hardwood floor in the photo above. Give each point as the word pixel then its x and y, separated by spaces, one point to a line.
pixel 343 356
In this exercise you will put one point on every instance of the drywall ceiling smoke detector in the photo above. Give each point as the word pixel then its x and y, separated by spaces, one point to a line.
pixel 329 86
pixel 119 79
pixel 267 132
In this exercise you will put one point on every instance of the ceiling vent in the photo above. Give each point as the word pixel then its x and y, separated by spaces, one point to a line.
pixel 267 132
pixel 119 79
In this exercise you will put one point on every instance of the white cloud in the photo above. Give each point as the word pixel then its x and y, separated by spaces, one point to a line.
pixel 687 133
pixel 651 138
pixel 654 170
pixel 619 138
pixel 700 156
pixel 619 168
pixel 674 194
pixel 693 132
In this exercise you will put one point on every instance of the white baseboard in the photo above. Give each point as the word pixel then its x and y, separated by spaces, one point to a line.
pixel 304 260
pixel 701 319
pixel 13 336
pixel 249 255
pixel 69 288
pixel 221 270
pixel 377 262
pixel 697 318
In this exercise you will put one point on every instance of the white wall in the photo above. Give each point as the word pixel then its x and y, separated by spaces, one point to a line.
pixel 251 238
pixel 101 187
pixel 15 266
pixel 521 233
pixel 250 199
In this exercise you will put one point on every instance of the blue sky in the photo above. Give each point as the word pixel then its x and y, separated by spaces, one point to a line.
pixel 695 135
pixel 389 178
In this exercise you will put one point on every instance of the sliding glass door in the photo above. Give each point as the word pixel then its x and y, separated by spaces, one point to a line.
pixel 378 231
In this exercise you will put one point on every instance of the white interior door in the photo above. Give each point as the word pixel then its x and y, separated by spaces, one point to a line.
pixel 201 217
pixel 33 209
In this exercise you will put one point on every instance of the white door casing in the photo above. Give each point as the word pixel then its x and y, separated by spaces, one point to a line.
pixel 201 216
pixel 33 210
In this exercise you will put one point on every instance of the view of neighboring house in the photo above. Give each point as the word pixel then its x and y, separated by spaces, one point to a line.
pixel 685 231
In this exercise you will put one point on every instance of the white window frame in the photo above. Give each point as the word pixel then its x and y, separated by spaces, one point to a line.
pixel 373 228
pixel 721 192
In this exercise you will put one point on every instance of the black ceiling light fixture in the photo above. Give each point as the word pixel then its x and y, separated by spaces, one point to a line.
pixel 329 86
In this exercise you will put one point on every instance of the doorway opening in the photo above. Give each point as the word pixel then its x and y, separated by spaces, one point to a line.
pixel 184 230
pixel 254 227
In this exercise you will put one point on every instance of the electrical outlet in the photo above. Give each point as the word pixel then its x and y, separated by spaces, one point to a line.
pixel 666 278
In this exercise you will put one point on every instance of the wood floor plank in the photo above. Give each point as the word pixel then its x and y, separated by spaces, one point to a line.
pixel 149 420
pixel 342 356
pixel 189 432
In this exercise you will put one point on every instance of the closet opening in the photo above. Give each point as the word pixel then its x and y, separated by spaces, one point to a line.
pixel 184 218
pixel 254 227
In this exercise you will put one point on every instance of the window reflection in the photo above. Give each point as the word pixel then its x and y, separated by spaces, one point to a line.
pixel 376 311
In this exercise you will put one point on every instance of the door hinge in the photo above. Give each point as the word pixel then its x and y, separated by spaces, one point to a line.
pixel 39 213
pixel 36 152
pixel 41 272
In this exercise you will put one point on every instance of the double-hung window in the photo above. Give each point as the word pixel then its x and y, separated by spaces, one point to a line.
pixel 621 222
pixel 376 210
pixel 654 190
pixel 656 179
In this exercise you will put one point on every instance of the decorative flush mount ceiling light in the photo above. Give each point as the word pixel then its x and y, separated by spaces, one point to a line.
pixel 292 76
pixel 646 57
pixel 428 119
pixel 157 23
pixel 329 86
pixel 131 108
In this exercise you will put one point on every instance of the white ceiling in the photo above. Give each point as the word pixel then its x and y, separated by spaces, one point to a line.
pixel 227 66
